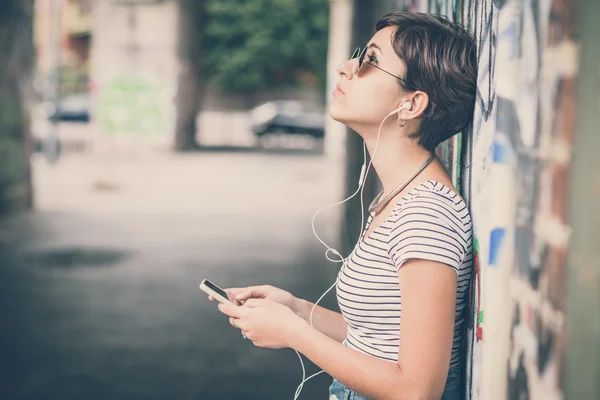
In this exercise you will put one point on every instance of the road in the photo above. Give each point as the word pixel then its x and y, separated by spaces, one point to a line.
pixel 99 293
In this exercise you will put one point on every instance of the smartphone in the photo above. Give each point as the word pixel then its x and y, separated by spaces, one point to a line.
pixel 219 294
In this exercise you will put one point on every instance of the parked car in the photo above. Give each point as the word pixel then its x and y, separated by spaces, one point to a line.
pixel 73 108
pixel 288 117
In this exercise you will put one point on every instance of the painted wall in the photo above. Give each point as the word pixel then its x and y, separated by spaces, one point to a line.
pixel 537 46
pixel 512 166
pixel 134 67
pixel 515 162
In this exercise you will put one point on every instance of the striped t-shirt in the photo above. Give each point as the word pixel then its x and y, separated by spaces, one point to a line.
pixel 430 222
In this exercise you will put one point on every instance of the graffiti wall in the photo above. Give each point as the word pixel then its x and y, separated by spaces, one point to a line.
pixel 132 103
pixel 537 106
pixel 515 167
pixel 470 157
pixel 512 166
pixel 477 185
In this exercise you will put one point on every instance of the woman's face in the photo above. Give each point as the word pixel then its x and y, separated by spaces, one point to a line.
pixel 365 98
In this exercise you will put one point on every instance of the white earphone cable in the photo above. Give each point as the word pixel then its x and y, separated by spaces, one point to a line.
pixel 362 179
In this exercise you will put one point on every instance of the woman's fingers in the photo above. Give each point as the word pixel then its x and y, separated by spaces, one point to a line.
pixel 252 292
pixel 239 324
pixel 235 291
pixel 253 303
pixel 231 311
pixel 243 296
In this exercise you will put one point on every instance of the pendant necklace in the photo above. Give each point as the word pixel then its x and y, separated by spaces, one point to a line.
pixel 377 204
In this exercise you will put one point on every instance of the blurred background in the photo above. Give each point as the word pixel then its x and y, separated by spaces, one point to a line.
pixel 146 145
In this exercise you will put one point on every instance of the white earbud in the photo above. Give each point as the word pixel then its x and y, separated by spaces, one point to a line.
pixel 405 106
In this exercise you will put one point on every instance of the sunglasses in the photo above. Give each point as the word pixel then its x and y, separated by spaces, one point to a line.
pixel 361 61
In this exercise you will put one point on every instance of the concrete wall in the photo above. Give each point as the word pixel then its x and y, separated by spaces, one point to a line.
pixel 512 166
pixel 134 67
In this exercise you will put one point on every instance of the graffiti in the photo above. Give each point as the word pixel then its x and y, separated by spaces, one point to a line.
pixel 482 23
pixel 519 108
pixel 536 334
pixel 521 95
pixel 512 168
pixel 479 17
pixel 476 294
pixel 540 122
pixel 469 155
pixel 518 387
pixel 453 9
pixel 132 104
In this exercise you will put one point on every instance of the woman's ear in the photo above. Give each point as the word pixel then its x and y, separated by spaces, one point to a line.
pixel 418 103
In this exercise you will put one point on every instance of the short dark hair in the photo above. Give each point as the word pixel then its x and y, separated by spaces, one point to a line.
pixel 441 60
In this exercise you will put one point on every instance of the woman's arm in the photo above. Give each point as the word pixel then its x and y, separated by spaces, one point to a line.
pixel 428 303
pixel 328 322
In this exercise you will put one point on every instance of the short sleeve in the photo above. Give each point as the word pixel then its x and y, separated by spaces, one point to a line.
pixel 427 233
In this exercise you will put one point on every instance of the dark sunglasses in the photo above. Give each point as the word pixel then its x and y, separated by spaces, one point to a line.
pixel 361 61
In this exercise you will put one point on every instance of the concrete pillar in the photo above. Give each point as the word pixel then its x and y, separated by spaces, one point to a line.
pixel 363 26
pixel 340 35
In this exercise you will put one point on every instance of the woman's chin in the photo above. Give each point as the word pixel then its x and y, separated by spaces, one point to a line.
pixel 336 113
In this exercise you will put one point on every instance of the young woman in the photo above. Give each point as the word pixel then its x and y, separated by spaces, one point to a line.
pixel 402 291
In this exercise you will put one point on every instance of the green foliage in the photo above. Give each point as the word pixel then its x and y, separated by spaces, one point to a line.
pixel 254 44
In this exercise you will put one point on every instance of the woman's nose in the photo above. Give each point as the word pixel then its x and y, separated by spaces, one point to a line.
pixel 347 69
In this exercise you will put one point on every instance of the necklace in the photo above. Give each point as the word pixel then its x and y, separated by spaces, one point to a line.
pixel 377 204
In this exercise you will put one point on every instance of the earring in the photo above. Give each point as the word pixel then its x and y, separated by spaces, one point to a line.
pixel 401 122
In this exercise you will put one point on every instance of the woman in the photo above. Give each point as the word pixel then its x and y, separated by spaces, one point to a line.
pixel 402 292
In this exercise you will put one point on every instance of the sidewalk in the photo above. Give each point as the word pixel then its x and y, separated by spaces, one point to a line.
pixel 99 293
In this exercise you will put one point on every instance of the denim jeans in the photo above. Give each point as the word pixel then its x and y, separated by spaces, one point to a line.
pixel 337 391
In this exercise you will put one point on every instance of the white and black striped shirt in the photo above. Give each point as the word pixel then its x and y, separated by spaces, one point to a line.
pixel 430 222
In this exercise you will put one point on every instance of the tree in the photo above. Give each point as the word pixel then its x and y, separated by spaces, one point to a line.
pixel 16 60
pixel 254 44
pixel 244 46
pixel 190 83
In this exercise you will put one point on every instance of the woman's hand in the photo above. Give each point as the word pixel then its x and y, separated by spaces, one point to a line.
pixel 266 292
pixel 265 322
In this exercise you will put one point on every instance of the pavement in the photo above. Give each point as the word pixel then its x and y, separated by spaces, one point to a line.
pixel 99 293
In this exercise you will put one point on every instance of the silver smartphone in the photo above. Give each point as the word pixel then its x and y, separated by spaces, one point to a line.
pixel 219 294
